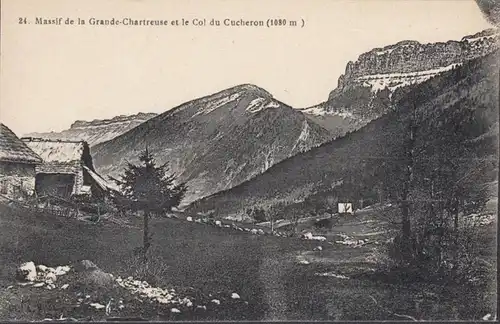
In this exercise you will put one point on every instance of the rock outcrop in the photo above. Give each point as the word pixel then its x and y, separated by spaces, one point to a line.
pixel 368 88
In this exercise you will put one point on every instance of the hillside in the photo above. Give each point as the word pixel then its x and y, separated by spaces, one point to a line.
pixel 367 89
pixel 349 164
pixel 218 141
pixel 98 130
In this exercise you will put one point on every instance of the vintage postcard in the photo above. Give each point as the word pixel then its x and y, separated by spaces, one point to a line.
pixel 268 160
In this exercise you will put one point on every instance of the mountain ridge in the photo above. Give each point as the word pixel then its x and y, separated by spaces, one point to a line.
pixel 366 87
pixel 372 83
pixel 97 130
pixel 309 176
pixel 216 141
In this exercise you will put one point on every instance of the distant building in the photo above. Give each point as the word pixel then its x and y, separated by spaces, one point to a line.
pixel 67 169
pixel 17 165
pixel 345 208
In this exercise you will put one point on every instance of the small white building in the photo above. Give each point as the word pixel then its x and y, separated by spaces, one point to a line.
pixel 345 208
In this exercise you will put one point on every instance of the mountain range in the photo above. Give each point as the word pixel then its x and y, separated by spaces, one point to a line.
pixel 97 131
pixel 243 138
pixel 348 166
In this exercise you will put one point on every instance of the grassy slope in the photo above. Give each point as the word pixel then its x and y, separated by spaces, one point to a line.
pixel 261 269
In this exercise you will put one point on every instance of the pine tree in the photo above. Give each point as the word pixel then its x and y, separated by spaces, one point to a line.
pixel 149 188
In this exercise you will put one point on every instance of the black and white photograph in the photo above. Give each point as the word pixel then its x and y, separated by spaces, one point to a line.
pixel 323 160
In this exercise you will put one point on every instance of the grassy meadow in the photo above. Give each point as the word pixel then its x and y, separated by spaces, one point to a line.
pixel 207 262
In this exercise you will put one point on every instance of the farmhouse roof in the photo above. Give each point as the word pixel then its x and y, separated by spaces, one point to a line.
pixel 103 184
pixel 13 149
pixel 55 150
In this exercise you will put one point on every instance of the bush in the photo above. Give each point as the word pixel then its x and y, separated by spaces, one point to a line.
pixel 445 255
pixel 324 223
pixel 258 214
pixel 154 270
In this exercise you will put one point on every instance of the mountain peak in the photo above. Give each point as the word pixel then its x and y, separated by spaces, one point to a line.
pixel 217 141
pixel 252 88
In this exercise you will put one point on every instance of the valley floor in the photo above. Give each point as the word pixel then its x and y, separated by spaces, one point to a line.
pixel 205 263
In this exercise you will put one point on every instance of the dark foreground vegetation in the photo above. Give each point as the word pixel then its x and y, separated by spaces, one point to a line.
pixel 209 261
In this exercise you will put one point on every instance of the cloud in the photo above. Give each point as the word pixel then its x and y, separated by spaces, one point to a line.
pixel 491 10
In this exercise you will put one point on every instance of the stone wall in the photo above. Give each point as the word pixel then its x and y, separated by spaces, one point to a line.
pixel 17 179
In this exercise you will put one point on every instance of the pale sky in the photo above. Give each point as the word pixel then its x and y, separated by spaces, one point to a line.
pixel 54 75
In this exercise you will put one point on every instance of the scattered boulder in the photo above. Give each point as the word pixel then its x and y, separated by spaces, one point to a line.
pixel 235 296
pixel 307 236
pixel 346 240
pixel 310 236
pixel 41 268
pixel 189 219
pixel 331 274
pixel 215 301
pixel 51 276
pixel 97 305
pixel 175 310
pixel 318 248
pixel 96 278
pixel 253 231
pixel 85 265
pixel 26 272
pixel 218 223
pixel 90 275
pixel 261 231
pixel 50 286
pixel 23 284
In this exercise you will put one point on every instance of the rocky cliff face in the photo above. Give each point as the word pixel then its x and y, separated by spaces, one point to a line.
pixel 365 91
pixel 98 130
